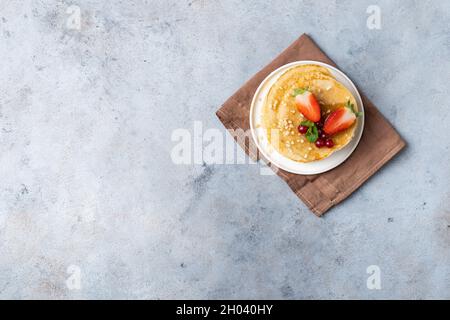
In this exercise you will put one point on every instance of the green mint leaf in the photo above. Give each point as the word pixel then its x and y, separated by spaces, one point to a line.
pixel 349 105
pixel 352 108
pixel 298 91
pixel 307 123
pixel 312 134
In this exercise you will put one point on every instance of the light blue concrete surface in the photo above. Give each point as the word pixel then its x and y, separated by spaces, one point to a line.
pixel 87 182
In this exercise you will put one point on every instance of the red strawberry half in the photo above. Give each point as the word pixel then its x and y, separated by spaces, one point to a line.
pixel 340 119
pixel 307 104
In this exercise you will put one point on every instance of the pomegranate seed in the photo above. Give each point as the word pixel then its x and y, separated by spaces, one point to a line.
pixel 320 143
pixel 329 143
pixel 323 135
pixel 302 129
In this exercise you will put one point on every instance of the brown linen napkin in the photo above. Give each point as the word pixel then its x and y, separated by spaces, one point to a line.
pixel 379 143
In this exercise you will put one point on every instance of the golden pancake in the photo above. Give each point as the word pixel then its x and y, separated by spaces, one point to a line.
pixel 281 118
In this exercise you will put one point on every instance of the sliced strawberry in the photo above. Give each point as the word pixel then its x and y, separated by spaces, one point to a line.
pixel 307 104
pixel 340 119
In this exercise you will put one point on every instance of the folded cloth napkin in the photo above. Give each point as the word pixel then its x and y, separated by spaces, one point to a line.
pixel 379 143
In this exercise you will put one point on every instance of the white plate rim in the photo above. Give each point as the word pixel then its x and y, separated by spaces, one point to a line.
pixel 305 168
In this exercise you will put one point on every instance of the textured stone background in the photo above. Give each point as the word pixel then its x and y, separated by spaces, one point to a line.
pixel 86 177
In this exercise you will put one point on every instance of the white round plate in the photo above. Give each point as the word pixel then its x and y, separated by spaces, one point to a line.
pixel 260 137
